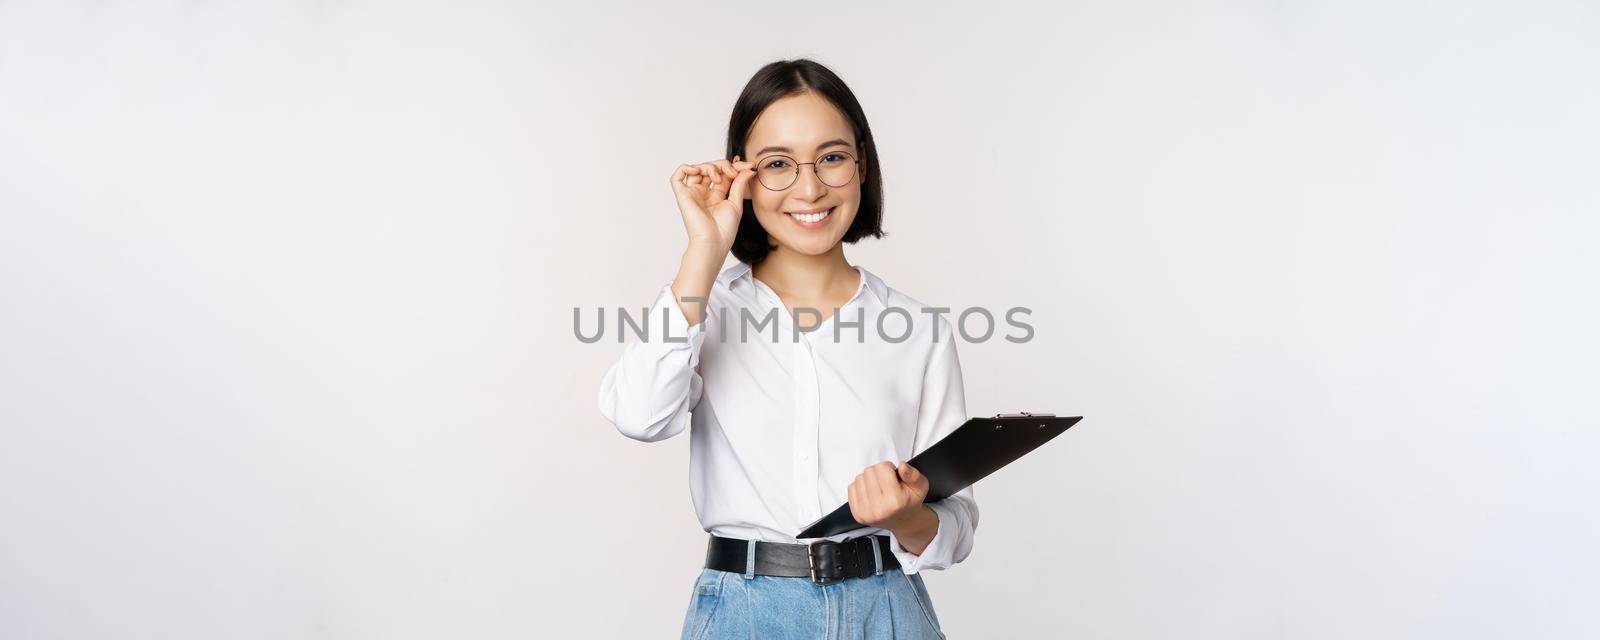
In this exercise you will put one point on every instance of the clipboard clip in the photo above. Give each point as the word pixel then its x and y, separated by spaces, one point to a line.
pixel 1025 414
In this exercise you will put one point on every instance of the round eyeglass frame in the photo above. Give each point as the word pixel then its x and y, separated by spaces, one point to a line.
pixel 853 160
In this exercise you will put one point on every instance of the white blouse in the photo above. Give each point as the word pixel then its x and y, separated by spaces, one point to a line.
pixel 782 421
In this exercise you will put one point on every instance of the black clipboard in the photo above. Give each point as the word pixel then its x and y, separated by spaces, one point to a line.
pixel 977 448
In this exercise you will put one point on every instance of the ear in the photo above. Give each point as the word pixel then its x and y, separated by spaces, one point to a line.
pixel 752 184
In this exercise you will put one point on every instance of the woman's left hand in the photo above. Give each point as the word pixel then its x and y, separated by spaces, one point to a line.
pixel 884 497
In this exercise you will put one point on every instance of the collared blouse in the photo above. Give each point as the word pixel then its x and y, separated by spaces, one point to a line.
pixel 783 416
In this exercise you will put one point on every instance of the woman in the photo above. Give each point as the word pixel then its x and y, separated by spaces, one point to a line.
pixel 804 380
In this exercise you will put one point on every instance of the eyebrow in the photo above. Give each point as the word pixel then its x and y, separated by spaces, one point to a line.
pixel 831 143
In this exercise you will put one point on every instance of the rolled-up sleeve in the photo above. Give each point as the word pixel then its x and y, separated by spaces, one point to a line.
pixel 943 409
pixel 650 390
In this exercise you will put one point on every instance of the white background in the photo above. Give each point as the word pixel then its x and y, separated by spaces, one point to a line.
pixel 286 292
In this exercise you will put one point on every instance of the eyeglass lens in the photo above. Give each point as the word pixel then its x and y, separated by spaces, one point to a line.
pixel 835 169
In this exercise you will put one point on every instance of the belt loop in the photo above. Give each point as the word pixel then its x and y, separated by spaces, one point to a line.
pixel 750 559
pixel 877 555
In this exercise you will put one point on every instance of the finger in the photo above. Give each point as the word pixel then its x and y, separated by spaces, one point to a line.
pixel 740 184
pixel 680 183
pixel 717 191
pixel 874 503
pixel 724 182
pixel 909 474
pixel 858 510
pixel 725 175
pixel 711 172
pixel 886 472
pixel 695 174
pixel 884 482
pixel 912 478
pixel 682 173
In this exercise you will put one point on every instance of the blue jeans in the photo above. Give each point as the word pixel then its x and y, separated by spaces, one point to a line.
pixel 729 605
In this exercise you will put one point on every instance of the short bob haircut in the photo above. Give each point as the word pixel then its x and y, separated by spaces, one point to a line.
pixel 792 77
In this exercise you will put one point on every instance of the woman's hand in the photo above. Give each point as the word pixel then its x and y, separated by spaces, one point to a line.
pixel 884 497
pixel 711 198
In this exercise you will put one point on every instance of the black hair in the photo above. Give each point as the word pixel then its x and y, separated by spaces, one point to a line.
pixel 791 77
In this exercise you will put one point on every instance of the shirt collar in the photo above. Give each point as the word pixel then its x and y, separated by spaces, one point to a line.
pixel 741 274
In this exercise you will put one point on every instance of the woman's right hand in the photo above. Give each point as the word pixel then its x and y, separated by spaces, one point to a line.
pixel 711 198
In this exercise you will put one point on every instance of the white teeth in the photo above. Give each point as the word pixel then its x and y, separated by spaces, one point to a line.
pixel 812 217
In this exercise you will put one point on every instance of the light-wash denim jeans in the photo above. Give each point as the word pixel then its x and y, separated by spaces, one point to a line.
pixel 891 605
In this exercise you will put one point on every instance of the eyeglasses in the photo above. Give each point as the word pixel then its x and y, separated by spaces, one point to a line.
pixel 834 168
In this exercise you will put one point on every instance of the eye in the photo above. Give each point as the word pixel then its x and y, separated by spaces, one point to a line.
pixel 776 163
pixel 835 158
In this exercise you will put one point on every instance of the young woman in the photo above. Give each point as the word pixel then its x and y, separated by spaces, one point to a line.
pixel 804 380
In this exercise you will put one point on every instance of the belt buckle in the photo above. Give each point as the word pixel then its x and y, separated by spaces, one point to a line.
pixel 811 558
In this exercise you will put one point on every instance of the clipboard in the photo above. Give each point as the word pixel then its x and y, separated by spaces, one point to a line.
pixel 977 448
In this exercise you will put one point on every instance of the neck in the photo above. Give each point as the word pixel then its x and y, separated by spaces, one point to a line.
pixel 789 272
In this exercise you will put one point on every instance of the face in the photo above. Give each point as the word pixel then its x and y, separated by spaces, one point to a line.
pixel 805 128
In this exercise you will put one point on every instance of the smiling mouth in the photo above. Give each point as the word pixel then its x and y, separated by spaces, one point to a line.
pixel 812 220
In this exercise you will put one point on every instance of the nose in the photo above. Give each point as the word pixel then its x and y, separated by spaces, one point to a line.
pixel 808 188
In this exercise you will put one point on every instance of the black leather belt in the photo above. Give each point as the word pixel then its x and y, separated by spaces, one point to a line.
pixel 824 561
